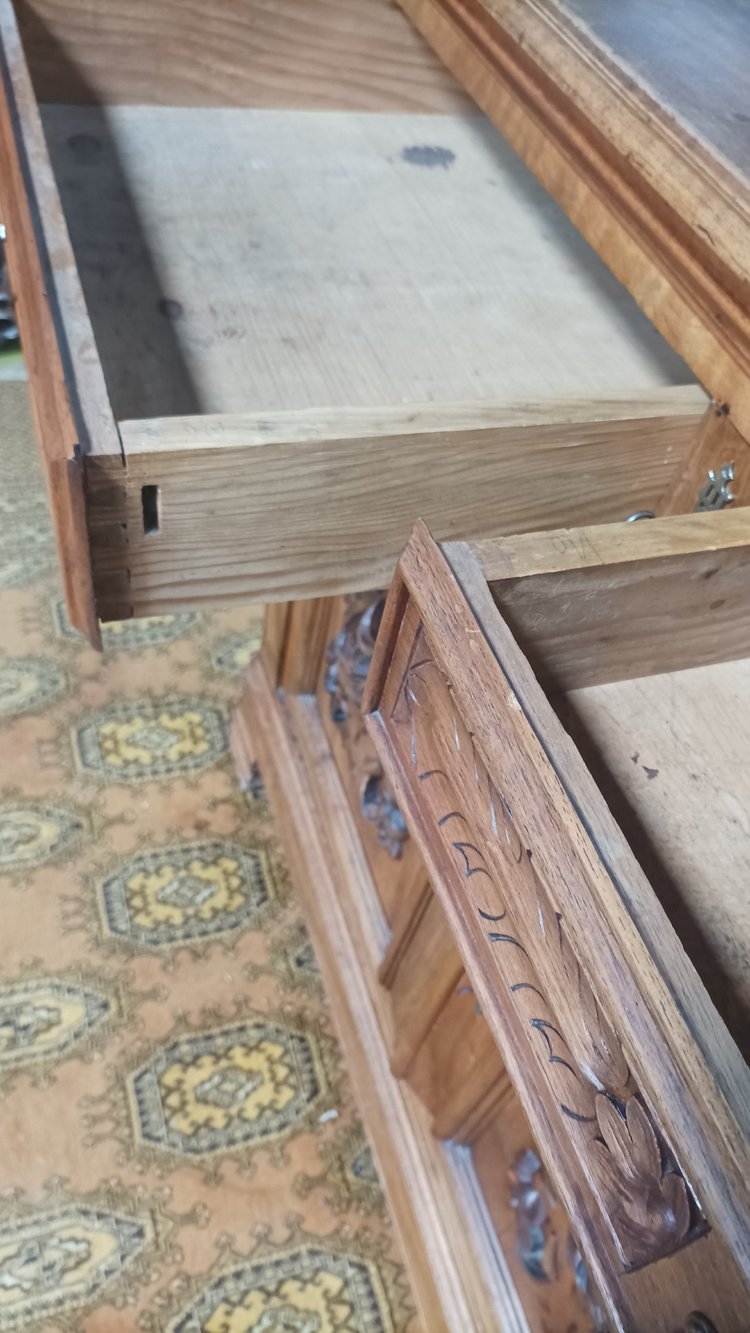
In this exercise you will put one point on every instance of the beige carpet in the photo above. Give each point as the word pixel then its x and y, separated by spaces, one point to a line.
pixel 180 1146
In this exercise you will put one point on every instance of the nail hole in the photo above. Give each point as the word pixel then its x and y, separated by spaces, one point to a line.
pixel 150 507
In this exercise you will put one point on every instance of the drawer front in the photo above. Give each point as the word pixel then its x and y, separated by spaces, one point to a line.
pixel 591 1039
pixel 69 400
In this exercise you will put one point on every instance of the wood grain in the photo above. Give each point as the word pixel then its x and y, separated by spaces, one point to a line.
pixel 68 398
pixel 675 747
pixel 700 1057
pixel 428 971
pixel 335 54
pixel 654 196
pixel 458 1071
pixel 621 600
pixel 717 444
pixel 295 512
pixel 337 261
pixel 531 1224
pixel 697 69
pixel 452 1263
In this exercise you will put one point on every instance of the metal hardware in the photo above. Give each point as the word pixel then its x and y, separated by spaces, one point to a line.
pixel 639 513
pixel 715 493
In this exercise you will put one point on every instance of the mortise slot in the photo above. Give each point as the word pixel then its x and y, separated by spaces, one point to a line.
pixel 150 507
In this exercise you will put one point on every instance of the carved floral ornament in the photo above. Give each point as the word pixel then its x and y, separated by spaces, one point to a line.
pixel 349 658
pixel 544 1252
pixel 647 1205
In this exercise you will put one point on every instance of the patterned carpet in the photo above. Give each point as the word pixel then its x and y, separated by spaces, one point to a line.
pixel 180 1147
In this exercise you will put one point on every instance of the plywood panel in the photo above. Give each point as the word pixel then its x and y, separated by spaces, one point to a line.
pixel 678 746
pixel 257 261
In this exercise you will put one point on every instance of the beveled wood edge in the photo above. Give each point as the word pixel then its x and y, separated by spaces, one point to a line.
pixel 568 50
pixel 66 383
pixel 561 549
pixel 328 866
pixel 301 508
pixel 158 435
pixel 636 231
pixel 676 1018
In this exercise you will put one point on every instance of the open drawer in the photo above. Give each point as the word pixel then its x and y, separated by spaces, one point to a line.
pixel 262 340
pixel 618 1002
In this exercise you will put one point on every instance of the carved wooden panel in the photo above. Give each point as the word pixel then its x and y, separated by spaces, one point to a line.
pixel 458 1072
pixel 549 1274
pixel 393 857
pixel 348 660
pixel 644 1198
pixel 601 1075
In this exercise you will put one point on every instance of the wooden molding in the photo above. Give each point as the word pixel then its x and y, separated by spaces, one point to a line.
pixel 545 900
pixel 452 1258
pixel 661 207
pixel 68 397
pixel 301 504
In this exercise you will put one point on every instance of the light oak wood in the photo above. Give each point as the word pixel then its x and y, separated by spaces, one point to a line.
pixel 717 444
pixel 653 192
pixel 337 54
pixel 493 725
pixel 675 750
pixel 327 267
pixel 419 992
pixel 68 396
pixel 531 1225
pixel 456 1274
pixel 275 621
pixel 620 600
pixel 458 1071
pixel 314 504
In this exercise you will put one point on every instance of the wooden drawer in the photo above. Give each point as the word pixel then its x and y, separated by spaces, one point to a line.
pixel 262 341
pixel 636 1091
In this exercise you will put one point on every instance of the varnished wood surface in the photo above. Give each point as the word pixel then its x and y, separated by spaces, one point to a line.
pixel 68 398
pixel 452 1261
pixel 488 718
pixel 399 879
pixel 336 54
pixel 663 207
pixel 531 1225
pixel 420 989
pixel 693 57
pixel 717 444
pixel 459 1073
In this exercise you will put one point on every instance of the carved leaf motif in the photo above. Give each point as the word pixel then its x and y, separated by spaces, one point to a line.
pixel 648 1208
pixel 653 1205
pixel 596 1045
